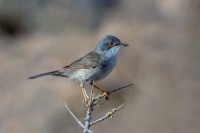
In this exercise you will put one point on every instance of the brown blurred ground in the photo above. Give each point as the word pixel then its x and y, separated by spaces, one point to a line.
pixel 162 61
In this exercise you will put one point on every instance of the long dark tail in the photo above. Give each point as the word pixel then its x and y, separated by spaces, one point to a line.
pixel 45 74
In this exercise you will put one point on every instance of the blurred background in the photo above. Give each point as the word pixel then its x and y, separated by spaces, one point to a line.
pixel 163 61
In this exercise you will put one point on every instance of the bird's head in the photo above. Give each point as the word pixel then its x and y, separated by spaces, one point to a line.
pixel 109 44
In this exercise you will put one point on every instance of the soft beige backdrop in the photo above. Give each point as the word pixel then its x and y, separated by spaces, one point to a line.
pixel 163 61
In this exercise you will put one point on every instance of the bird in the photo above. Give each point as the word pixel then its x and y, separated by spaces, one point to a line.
pixel 94 66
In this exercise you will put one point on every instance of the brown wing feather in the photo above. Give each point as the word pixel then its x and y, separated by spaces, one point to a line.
pixel 90 60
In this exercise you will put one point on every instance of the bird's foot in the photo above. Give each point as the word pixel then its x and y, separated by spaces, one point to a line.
pixel 87 101
pixel 106 93
pixel 85 96
pixel 89 104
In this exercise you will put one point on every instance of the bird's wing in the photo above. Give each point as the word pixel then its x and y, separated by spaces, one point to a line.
pixel 90 60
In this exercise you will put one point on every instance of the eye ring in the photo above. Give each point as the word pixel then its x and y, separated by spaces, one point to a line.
pixel 111 44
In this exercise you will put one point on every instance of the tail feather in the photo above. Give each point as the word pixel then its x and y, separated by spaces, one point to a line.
pixel 43 74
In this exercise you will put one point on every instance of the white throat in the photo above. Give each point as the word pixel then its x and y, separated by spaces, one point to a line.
pixel 113 52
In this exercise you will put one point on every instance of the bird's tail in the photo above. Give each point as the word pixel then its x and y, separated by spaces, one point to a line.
pixel 45 74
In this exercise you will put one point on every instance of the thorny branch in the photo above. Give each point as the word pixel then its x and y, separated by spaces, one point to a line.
pixel 99 97
pixel 93 101
pixel 107 115
pixel 77 120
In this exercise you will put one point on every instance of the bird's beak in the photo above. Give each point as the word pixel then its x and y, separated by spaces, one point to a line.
pixel 124 44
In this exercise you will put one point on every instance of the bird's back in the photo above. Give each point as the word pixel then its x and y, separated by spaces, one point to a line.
pixel 84 68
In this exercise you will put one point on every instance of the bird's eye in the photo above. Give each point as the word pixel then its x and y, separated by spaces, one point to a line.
pixel 111 44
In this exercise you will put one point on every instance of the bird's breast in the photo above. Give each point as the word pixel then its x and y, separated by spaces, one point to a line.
pixel 107 66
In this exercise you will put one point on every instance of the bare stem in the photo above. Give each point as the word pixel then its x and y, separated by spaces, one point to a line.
pixel 89 111
pixel 107 115
pixel 77 120
pixel 120 88
pixel 99 97
pixel 88 119
pixel 92 101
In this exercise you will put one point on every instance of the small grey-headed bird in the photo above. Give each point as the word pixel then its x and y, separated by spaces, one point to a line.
pixel 94 66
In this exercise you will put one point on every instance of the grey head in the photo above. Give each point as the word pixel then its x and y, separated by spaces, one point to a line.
pixel 109 43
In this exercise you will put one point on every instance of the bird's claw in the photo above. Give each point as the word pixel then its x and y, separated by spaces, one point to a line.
pixel 106 93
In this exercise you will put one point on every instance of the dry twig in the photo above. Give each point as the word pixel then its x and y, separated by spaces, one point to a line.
pixel 107 115
pixel 93 101
pixel 77 120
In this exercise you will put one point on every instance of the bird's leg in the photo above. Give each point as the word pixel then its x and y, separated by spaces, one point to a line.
pixel 105 92
pixel 85 96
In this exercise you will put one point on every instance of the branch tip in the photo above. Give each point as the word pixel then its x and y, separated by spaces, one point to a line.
pixel 77 120
pixel 107 115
